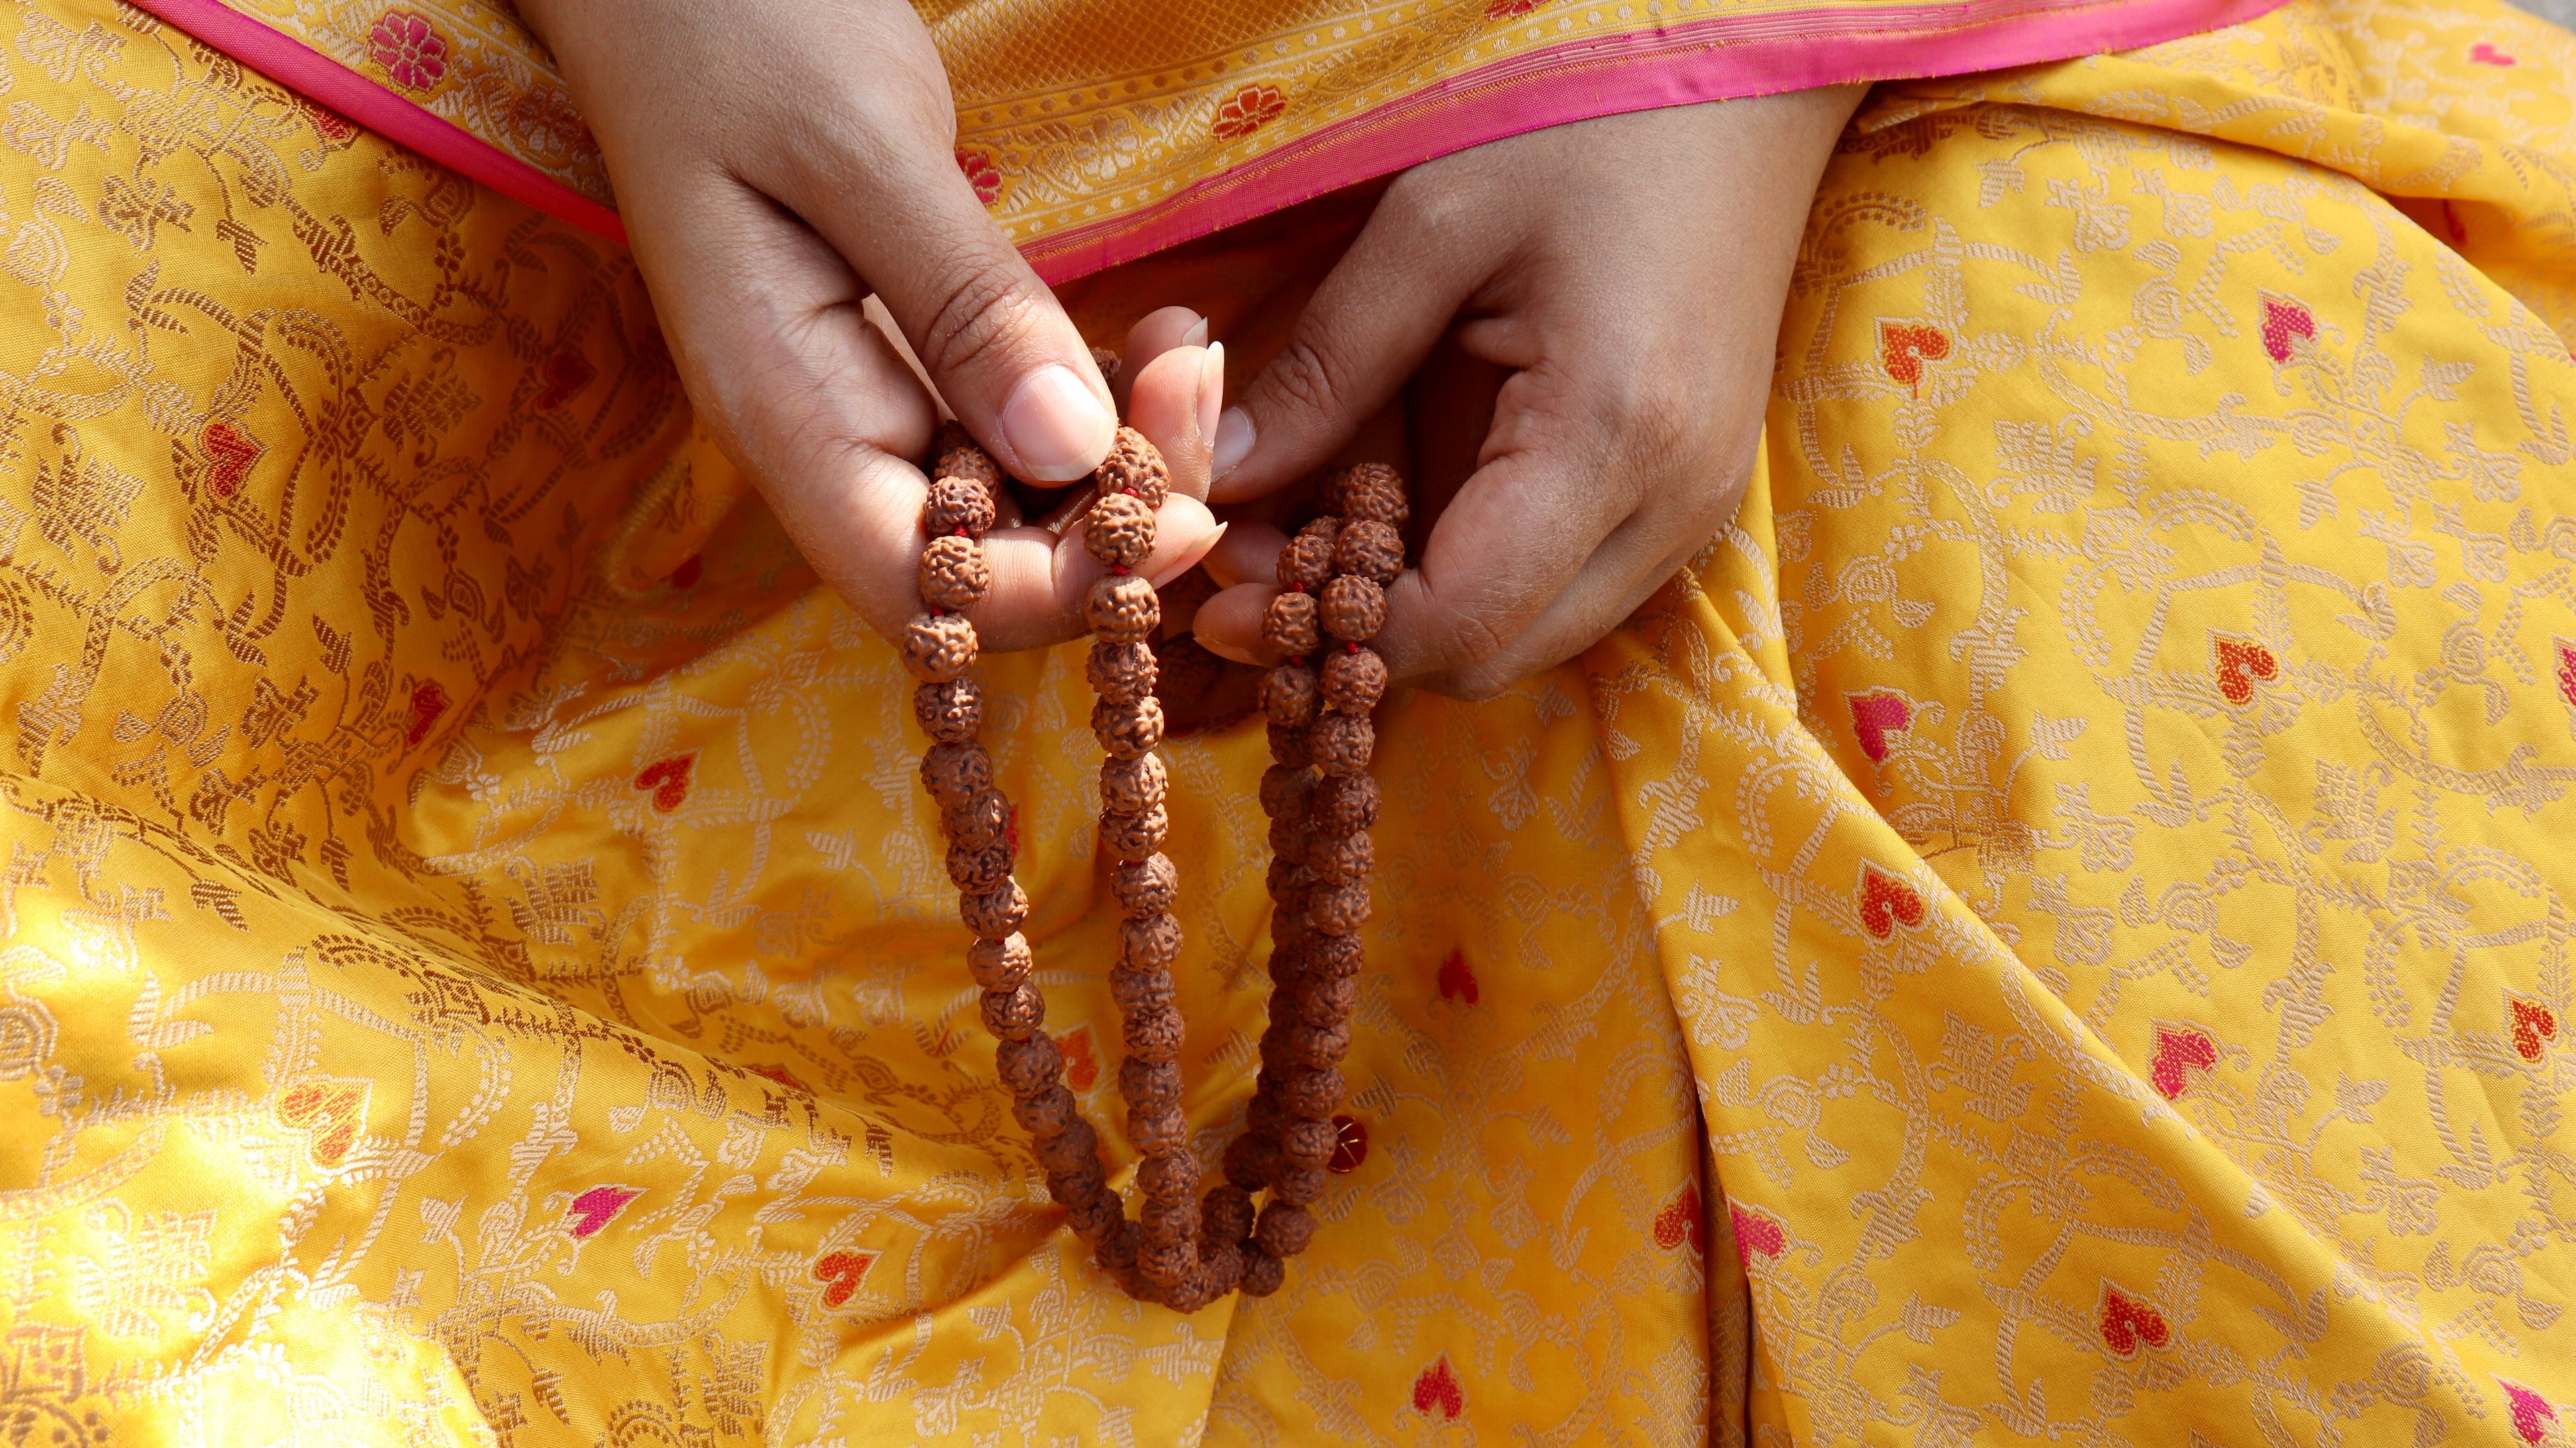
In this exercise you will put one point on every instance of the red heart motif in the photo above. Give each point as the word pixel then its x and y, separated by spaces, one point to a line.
pixel 1903 348
pixel 2239 665
pixel 592 1209
pixel 1755 1232
pixel 1885 902
pixel 2566 671
pixel 2128 1323
pixel 841 1272
pixel 1874 714
pixel 2283 320
pixel 2534 1027
pixel 1438 1387
pixel 330 1112
pixel 1081 1065
pixel 2533 1417
pixel 668 779
pixel 981 173
pixel 1457 980
pixel 2180 1050
pixel 230 454
pixel 782 1076
pixel 1680 1221
pixel 691 569
pixel 427 703
pixel 1350 1145
pixel 567 373
pixel 2485 54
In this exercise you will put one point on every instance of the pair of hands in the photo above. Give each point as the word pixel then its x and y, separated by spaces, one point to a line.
pixel 1609 290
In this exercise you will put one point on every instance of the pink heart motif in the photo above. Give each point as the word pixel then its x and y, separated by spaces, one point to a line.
pixel 2485 54
pixel 1874 715
pixel 592 1209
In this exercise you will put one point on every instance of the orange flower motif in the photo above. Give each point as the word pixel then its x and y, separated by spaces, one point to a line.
pixel 230 455
pixel 668 779
pixel 413 55
pixel 840 1272
pixel 1247 111
pixel 1081 1063
pixel 330 1112
pixel 1903 348
pixel 1887 902
pixel 1438 1391
pixel 1680 1221
pixel 981 173
pixel 2239 665
pixel 2533 1027
pixel 2129 1324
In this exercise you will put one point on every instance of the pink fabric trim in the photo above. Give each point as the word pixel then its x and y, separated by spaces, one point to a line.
pixel 1678 65
pixel 301 68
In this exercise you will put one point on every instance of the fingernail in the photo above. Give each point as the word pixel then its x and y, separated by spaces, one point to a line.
pixel 1056 427
pixel 1197 335
pixel 1211 389
pixel 1224 650
pixel 1189 560
pixel 1233 440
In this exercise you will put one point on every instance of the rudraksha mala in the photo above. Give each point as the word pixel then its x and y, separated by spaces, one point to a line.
pixel 1184 1249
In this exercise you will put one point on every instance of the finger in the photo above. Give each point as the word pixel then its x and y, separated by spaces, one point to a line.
pixel 1250 554
pixel 1229 623
pixel 1154 334
pixel 1173 396
pixel 1040 580
pixel 1378 314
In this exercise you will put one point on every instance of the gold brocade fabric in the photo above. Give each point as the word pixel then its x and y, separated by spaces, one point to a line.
pixel 2055 929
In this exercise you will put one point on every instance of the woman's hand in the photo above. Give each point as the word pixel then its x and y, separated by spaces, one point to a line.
pixel 1622 280
pixel 775 163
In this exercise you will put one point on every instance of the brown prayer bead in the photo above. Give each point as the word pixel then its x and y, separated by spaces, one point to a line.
pixel 1149 942
pixel 1337 859
pixel 1306 562
pixel 960 457
pixel 1324 1000
pixel 1343 743
pixel 1134 466
pixel 1313 1046
pixel 1353 609
pixel 1291 696
pixel 1084 1184
pixel 958 505
pixel 1117 1249
pixel 1122 608
pixel 938 647
pixel 1160 1130
pixel 1369 550
pixel 1297 1185
pixel 1154 1033
pixel 1312 1094
pixel 1044 1113
pixel 1127 731
pixel 979 821
pixel 1165 1261
pixel 1339 909
pixel 1288 839
pixel 1028 1065
pixel 976 871
pixel 995 914
pixel 1119 530
pixel 956 773
pixel 1308 1143
pixel 1220 1267
pixel 954 574
pixel 1353 680
pixel 1284 1230
pixel 1121 673
pixel 950 711
pixel 1135 989
pixel 1095 1216
pixel 1285 791
pixel 1291 625
pixel 1132 786
pixel 1133 836
pixel 1014 1014
pixel 1335 955
pixel 1070 1149
pixel 1225 1214
pixel 1145 887
pixel 1149 1085
pixel 1172 1174
pixel 1344 803
pixel 1250 1161
pixel 1290 747
pixel 1262 1273
pixel 1289 884
pixel 1373 493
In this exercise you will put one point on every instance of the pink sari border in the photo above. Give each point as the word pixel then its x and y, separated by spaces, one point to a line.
pixel 301 68
pixel 1707 60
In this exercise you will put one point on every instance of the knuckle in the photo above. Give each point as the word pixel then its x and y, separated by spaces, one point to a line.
pixel 981 308
pixel 1307 377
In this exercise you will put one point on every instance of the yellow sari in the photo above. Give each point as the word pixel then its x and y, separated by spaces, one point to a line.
pixel 2055 928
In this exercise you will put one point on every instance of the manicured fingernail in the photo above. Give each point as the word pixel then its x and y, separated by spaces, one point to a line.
pixel 1211 388
pixel 1197 335
pixel 1189 560
pixel 1233 440
pixel 1057 428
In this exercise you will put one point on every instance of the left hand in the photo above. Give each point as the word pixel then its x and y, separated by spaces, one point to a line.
pixel 1623 278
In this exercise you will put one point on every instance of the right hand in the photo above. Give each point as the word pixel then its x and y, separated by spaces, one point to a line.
pixel 775 163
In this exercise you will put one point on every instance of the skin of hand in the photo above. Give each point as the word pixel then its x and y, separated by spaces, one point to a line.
pixel 776 163
pixel 1611 289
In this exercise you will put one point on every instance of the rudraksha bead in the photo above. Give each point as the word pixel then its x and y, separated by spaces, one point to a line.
pixel 1324 999
pixel 1134 989
pixel 1291 625
pixel 1225 1214
pixel 1145 887
pixel 1250 1161
pixel 1133 836
pixel 1045 1112
pixel 1165 1261
pixel 1149 1085
pixel 1285 791
pixel 1344 803
pixel 1308 1143
pixel 995 914
pixel 1313 1046
pixel 1339 909
pixel 1297 1185
pixel 959 457
pixel 1343 743
pixel 1028 1065
pixel 1220 1265
pixel 949 712
pixel 1084 1185
pixel 1306 563
pixel 1134 466
pixel 1263 1116
pixel 1289 884
pixel 1162 1129
pixel 1172 1173
pixel 1312 1093
pixel 938 647
pixel 1262 1273
pixel 1353 680
pixel 1070 1149
pixel 1291 696
pixel 1092 1217
pixel 1372 493
pixel 954 574
pixel 1116 1250
pixel 1154 1033
pixel 1119 530
pixel 1121 608
pixel 958 505
pixel 1131 786
pixel 1336 859
pixel 976 871
pixel 1150 942
pixel 1288 839
pixel 1289 747
pixel 1353 609
pixel 979 821
pixel 1284 1230
pixel 1128 731
pixel 956 773
pixel 1369 550
pixel 1014 1014
pixel 1121 673
pixel 1335 955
